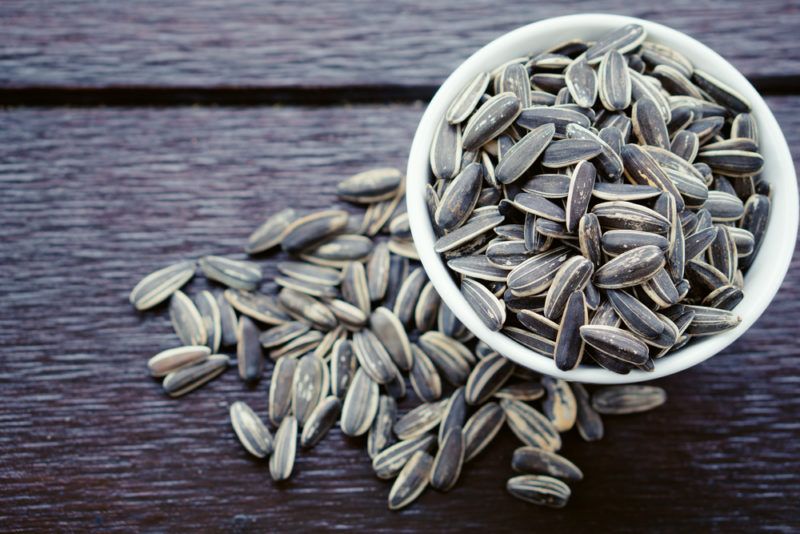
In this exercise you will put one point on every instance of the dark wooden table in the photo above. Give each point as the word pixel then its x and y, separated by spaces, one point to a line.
pixel 106 173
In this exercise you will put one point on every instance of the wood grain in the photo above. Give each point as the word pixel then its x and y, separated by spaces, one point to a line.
pixel 333 42
pixel 94 199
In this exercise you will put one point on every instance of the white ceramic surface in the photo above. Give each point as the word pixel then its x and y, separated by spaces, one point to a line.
pixel 762 280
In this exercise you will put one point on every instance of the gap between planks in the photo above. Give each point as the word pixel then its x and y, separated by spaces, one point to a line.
pixel 133 96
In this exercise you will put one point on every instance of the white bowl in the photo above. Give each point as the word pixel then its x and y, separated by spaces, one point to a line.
pixel 762 280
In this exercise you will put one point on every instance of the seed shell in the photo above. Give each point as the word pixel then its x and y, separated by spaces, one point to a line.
pixel 534 460
pixel 539 489
pixel 319 421
pixel 171 360
pixel 568 349
pixel 271 232
pixel 360 405
pixel 158 286
pixel 448 462
pixel 391 460
pixel 481 429
pixel 253 435
pixel 530 426
pixel 490 119
pixel 618 400
pixel 524 153
pixel 189 378
pixel 380 433
pixel 589 422
pixel 560 404
pixel 248 351
pixel 236 274
pixel 263 308
pixel 280 389
pixel 281 462
pixel 467 100
pixel 412 481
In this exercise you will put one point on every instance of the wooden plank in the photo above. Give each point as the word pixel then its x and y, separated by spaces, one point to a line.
pixel 332 42
pixel 93 199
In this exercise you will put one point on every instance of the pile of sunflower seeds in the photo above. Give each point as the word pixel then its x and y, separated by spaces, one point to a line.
pixel 355 323
pixel 600 198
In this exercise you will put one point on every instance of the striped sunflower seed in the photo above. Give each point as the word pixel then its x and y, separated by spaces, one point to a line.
pixel 298 346
pixel 467 100
pixel 188 378
pixel 158 286
pixel 489 308
pixel 709 321
pixel 530 426
pixel 387 327
pixel 206 304
pixel 572 275
pixel 478 267
pixel 560 404
pixel 380 433
pixel 616 242
pixel 280 389
pixel 281 334
pixel 271 232
pixel 424 378
pixel 630 268
pixel 622 215
pixel 489 375
pixel 615 343
pixel 548 185
pixel 490 119
pixel 539 489
pixel 588 421
pixel 343 367
pixel 524 153
pixel 339 250
pixel 521 391
pixel 360 405
pixel 354 286
pixel 449 356
pixel 619 400
pixel 348 315
pixel 186 320
pixel 419 420
pixel 648 124
pixel 236 274
pixel 311 229
pixel 561 118
pixel 448 462
pixel 636 316
pixel 622 40
pixel 248 351
pixel 313 274
pixel 412 481
pixel 171 360
pixel 535 275
pixel 252 433
pixel 427 308
pixel 309 288
pixel 281 463
pixel 534 460
pixel 388 463
pixel 373 357
pixel 227 321
pixel 378 268
pixel 319 421
pixel 466 233
pixel 481 429
pixel 459 198
pixel 408 294
pixel 581 82
pixel 305 307
pixel 614 81
pixel 454 414
pixel 307 387
pixel 568 347
pixel 262 308
pixel 370 186
pixel 566 152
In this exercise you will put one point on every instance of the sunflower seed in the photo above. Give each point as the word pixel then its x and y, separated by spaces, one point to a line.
pixel 487 377
pixel 725 298
pixel 398 271
pixel 248 351
pixel 307 387
pixel 539 489
pixel 412 481
pixel 387 327
pixel 547 185
pixel 309 230
pixel 206 305
pixel 549 82
pixel 232 273
pixel 619 400
pixel 630 268
pixel 459 198
pixel 309 288
pixel 540 116
pixel 621 215
pixel 537 273
pixel 697 243
pixel 641 168
pixel 568 345
pixel 304 306
pixel 186 320
pixel 419 420
pixel 624 192
pixel 253 435
pixel 466 233
pixel 530 426
pixel 720 92
pixel 281 462
pixel 538 324
pixel 522 391
pixel 380 433
pixel 448 462
pixel 403 247
pixel 524 153
pixel 319 421
pixel 271 232
pixel 478 267
pixel 572 275
pixel 370 186
pixel 408 294
pixel 347 314
pixel 227 318
pixel 489 308
pixel 481 429
pixel 588 421
pixel 360 405
pixel 615 343
pixel 722 253
pixel 354 286
pixel 614 82
pixel 616 242
pixel 560 405
pixel 658 54
pixel 424 378
pixel 534 460
pixel 313 274
pixel 661 289
pixel 754 220
pixel 581 81
pixel 622 40
pixel 447 356
pixel 373 357
pixel 339 250
pixel 708 321
pixel 171 360
pixel 391 460
pixel 263 308
pixel 636 316
pixel 686 145
pixel 490 119
pixel 343 367
pixel 280 389
pixel 732 162
pixel 701 275
pixel 156 287
pixel 188 378
pixel 427 308
pixel 532 341
pixel 378 271
pixel 566 152
pixel 724 207
pixel 466 101
pixel 279 335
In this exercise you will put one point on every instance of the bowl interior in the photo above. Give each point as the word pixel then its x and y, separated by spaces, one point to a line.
pixel 762 280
